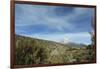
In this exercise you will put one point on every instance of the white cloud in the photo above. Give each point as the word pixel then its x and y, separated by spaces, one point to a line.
pixel 32 15
pixel 35 14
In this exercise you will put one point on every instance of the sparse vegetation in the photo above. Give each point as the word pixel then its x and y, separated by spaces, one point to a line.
pixel 36 51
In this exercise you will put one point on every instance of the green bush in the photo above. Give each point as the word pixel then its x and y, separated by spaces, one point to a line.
pixel 28 52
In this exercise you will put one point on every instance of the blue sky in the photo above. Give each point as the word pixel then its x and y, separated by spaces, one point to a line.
pixel 55 23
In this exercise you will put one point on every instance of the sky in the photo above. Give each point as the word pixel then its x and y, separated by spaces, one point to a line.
pixel 55 23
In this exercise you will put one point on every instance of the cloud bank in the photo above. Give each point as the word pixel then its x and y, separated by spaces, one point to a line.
pixel 54 21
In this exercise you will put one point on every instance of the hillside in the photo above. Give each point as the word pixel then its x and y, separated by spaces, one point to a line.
pixel 38 51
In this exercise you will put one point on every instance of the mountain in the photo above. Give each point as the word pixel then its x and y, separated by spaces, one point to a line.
pixel 48 42
pixel 40 41
pixel 37 51
pixel 72 44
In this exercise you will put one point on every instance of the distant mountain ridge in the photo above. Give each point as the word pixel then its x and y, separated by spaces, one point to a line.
pixel 76 45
